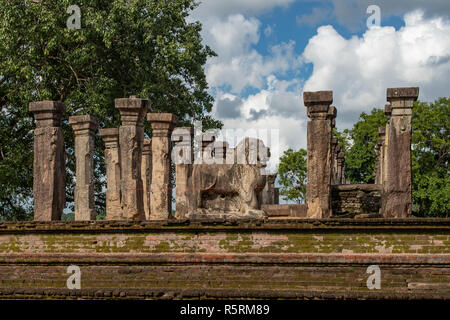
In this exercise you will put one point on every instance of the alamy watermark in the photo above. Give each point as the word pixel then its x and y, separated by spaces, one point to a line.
pixel 374 20
pixel 74 281
pixel 74 21
pixel 374 280
pixel 211 146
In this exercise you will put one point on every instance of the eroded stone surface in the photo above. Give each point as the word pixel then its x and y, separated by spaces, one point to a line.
pixel 318 191
pixel 112 162
pixel 49 161
pixel 84 127
pixel 397 188
pixel 131 136
pixel 231 189
pixel 146 174
pixel 161 187
pixel 268 193
pixel 183 159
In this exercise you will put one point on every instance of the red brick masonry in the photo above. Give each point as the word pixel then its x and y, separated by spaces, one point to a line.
pixel 292 259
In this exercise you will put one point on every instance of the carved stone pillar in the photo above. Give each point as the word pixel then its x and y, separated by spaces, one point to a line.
pixel 112 162
pixel 183 158
pixel 334 151
pixel 84 127
pixel 384 165
pixel 146 174
pixel 276 196
pixel 207 148
pixel 341 168
pixel 379 167
pixel 397 188
pixel 268 193
pixel 131 137
pixel 161 188
pixel 318 190
pixel 49 170
pixel 220 151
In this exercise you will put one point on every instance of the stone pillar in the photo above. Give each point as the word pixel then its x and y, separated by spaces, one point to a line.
pixel 49 168
pixel 397 188
pixel 131 137
pixel 112 163
pixel 207 148
pixel 276 196
pixel 334 151
pixel 379 167
pixel 220 151
pixel 318 190
pixel 385 168
pixel 146 175
pixel 340 176
pixel 161 188
pixel 84 127
pixel 183 158
pixel 268 193
pixel 332 113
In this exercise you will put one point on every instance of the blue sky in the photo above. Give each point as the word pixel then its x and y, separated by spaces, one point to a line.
pixel 270 51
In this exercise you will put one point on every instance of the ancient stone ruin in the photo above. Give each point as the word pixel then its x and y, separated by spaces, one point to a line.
pixel 229 237
pixel 217 181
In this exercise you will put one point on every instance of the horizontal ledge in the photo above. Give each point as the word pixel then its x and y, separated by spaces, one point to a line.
pixel 219 258
pixel 187 293
pixel 357 187
pixel 226 225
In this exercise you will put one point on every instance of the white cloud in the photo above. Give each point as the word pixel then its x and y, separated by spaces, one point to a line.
pixel 238 65
pixel 359 70
pixel 224 8
pixel 277 107
pixel 352 13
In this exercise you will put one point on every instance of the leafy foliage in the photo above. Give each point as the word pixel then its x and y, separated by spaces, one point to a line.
pixel 292 173
pixel 430 154
pixel 124 47
pixel 360 157
pixel 431 157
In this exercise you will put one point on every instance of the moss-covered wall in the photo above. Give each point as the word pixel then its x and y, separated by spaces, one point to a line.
pixel 276 258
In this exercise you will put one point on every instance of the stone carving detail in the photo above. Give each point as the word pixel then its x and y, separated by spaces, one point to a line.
pixel 183 158
pixel 49 161
pixel 318 190
pixel 231 189
pixel 84 127
pixel 112 162
pixel 131 137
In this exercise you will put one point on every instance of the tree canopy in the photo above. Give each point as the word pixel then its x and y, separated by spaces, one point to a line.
pixel 292 173
pixel 430 154
pixel 360 157
pixel 431 158
pixel 124 47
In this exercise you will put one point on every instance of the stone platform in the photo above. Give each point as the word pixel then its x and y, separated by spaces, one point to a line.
pixel 289 259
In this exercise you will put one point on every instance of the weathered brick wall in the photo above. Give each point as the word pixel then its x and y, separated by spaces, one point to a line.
pixel 233 259
pixel 348 199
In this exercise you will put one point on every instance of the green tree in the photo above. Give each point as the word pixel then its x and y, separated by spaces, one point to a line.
pixel 124 47
pixel 431 157
pixel 292 173
pixel 360 157
pixel 343 139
